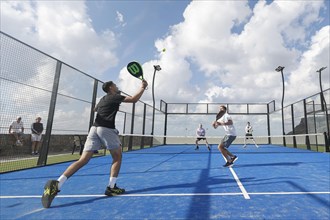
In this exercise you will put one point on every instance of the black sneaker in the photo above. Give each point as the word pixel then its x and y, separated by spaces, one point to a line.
pixel 208 147
pixel 51 190
pixel 234 158
pixel 228 164
pixel 114 191
pixel 197 148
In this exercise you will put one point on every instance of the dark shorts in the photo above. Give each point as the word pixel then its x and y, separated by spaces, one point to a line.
pixel 201 138
pixel 248 136
pixel 227 140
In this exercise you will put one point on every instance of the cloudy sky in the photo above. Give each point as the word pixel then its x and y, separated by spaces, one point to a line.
pixel 216 51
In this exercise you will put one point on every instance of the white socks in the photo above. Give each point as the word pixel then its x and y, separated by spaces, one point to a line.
pixel 112 182
pixel 61 180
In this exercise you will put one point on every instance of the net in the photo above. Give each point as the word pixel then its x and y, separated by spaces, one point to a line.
pixel 315 142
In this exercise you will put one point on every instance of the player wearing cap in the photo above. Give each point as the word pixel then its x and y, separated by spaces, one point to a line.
pixel 103 132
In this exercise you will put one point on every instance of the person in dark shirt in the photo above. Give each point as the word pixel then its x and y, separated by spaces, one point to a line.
pixel 36 133
pixel 103 132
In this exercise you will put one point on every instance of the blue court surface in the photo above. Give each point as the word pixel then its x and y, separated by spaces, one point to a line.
pixel 177 182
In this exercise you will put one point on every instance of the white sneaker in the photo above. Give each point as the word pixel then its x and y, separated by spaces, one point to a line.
pixel 257 146
pixel 244 146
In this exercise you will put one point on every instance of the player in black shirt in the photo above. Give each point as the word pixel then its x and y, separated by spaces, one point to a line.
pixel 103 132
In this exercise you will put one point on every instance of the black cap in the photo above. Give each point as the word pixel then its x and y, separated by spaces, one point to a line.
pixel 106 86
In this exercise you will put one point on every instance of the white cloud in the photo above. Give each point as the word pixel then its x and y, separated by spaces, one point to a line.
pixel 120 19
pixel 208 58
pixel 62 29
pixel 240 67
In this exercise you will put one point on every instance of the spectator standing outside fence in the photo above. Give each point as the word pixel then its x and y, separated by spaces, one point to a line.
pixel 225 120
pixel 36 133
pixel 248 134
pixel 16 128
pixel 200 133
pixel 103 132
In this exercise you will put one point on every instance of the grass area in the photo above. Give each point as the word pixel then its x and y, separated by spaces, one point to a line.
pixel 30 162
pixel 317 148
pixel 19 163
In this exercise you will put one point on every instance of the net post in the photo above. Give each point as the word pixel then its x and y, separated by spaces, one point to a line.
pixel 308 144
pixel 130 141
pixel 294 142
pixel 326 141
pixel 143 125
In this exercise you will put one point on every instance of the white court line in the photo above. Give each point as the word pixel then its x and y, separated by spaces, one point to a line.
pixel 240 185
pixel 168 195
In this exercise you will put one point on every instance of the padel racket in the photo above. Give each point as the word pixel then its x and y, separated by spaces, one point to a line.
pixel 135 69
pixel 219 115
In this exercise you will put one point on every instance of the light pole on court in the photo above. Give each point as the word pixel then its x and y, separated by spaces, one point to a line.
pixel 324 107
pixel 156 68
pixel 280 69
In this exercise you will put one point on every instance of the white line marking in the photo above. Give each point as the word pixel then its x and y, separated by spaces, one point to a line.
pixel 168 195
pixel 240 185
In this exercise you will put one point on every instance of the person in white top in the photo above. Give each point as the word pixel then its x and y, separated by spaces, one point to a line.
pixel 248 134
pixel 225 120
pixel 16 128
pixel 200 133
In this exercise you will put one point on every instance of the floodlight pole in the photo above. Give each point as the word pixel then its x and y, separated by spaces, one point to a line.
pixel 156 68
pixel 321 90
pixel 324 105
pixel 280 69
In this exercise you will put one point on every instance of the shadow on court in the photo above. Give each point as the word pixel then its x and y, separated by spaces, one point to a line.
pixel 181 185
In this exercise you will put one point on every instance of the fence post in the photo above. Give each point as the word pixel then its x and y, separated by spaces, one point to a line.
pixel 42 160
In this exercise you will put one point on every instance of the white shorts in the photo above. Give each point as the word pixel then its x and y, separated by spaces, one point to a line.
pixel 36 137
pixel 102 136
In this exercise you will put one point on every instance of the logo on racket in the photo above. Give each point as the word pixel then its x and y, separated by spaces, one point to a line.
pixel 135 69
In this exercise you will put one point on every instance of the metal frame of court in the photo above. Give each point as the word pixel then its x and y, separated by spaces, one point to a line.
pixel 24 56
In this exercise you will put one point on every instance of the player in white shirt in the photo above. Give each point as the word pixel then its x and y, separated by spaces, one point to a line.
pixel 248 134
pixel 16 128
pixel 200 133
pixel 225 120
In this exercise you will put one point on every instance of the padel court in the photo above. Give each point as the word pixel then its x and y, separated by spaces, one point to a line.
pixel 179 182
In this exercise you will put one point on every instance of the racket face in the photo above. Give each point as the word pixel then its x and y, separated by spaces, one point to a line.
pixel 135 69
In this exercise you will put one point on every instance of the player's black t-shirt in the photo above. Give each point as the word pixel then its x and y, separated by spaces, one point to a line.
pixel 107 109
pixel 37 128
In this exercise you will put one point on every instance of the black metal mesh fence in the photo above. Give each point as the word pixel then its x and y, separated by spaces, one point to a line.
pixel 33 84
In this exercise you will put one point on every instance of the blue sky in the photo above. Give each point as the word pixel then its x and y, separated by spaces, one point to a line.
pixel 216 51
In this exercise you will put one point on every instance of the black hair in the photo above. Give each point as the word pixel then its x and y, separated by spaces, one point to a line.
pixel 106 85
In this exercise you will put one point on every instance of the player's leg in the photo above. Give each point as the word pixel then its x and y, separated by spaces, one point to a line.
pixel 16 137
pixel 34 143
pixel 222 148
pixel 196 143
pixel 52 187
pixel 207 144
pixel 83 160
pixel 244 146
pixel 227 143
pixel 33 147
pixel 112 188
pixel 20 137
pixel 254 142
pixel 110 139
